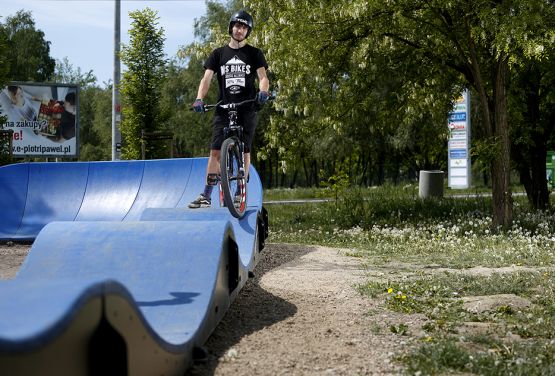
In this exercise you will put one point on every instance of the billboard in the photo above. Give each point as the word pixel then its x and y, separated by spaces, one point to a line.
pixel 43 118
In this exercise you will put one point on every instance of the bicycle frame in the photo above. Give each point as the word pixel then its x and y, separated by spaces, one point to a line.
pixel 234 129
pixel 233 152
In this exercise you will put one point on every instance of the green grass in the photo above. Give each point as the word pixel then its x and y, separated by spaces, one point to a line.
pixel 297 193
pixel 444 356
pixel 275 194
pixel 391 226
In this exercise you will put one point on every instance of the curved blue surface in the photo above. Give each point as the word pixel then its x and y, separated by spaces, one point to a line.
pixel 45 203
pixel 14 180
pixel 111 190
pixel 118 255
pixel 57 301
pixel 244 230
pixel 163 185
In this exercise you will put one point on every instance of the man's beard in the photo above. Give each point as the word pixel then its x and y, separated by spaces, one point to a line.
pixel 237 40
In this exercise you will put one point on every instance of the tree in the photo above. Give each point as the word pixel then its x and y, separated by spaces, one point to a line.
pixel 428 43
pixel 4 63
pixel 95 123
pixel 28 52
pixel 66 73
pixel 353 104
pixel 532 111
pixel 141 83
pixel 4 138
pixel 191 131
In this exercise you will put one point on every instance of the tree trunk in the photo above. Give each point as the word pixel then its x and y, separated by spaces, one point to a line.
pixel 538 193
pixel 306 172
pixel 535 154
pixel 270 177
pixel 501 164
pixel 262 172
pixel 293 182
pixel 496 125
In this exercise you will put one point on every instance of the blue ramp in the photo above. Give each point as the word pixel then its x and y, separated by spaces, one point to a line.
pixel 14 180
pixel 122 277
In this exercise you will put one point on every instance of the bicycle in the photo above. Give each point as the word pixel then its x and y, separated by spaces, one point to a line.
pixel 233 179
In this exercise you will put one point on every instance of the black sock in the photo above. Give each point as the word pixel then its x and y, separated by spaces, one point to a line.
pixel 208 191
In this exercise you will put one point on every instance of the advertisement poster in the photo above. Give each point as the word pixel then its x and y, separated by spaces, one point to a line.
pixel 43 118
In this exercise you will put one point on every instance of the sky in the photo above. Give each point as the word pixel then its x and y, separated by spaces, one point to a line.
pixel 83 30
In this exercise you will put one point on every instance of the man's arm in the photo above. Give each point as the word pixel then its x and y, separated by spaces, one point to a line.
pixel 263 81
pixel 205 83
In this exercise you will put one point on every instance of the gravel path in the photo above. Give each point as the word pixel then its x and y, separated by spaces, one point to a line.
pixel 300 315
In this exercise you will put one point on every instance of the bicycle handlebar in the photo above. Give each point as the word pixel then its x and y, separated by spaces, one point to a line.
pixel 208 107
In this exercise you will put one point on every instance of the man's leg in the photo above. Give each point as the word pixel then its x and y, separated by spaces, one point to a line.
pixel 247 164
pixel 213 162
pixel 249 125
pixel 212 176
pixel 212 173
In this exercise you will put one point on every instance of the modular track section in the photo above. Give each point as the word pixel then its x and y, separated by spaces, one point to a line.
pixel 122 278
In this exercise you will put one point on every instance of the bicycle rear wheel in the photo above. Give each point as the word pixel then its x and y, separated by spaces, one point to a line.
pixel 234 184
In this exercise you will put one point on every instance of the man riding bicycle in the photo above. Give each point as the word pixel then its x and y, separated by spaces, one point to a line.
pixel 237 65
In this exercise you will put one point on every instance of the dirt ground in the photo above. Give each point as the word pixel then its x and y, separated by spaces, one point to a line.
pixel 300 315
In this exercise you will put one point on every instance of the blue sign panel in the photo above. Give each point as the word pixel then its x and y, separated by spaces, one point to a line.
pixel 457 116
pixel 457 153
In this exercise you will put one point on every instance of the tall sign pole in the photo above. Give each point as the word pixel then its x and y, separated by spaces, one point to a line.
pixel 116 105
pixel 459 168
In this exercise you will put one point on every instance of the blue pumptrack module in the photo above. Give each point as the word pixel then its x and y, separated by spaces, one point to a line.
pixel 122 278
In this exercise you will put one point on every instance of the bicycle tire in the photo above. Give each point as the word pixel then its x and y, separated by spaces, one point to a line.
pixel 233 179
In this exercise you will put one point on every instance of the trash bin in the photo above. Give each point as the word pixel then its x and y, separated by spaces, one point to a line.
pixel 550 169
pixel 430 184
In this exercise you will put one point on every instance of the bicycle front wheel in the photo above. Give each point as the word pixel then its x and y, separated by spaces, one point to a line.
pixel 234 184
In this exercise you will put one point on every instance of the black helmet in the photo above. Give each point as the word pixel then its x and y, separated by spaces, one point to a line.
pixel 242 17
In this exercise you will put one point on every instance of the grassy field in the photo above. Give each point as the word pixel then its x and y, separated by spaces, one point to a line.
pixel 434 246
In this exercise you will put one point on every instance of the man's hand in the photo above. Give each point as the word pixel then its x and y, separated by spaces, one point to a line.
pixel 262 97
pixel 198 105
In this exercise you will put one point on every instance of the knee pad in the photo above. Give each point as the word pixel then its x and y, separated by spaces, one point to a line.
pixel 212 179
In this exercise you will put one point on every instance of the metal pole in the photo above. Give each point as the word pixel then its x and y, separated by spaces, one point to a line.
pixel 116 106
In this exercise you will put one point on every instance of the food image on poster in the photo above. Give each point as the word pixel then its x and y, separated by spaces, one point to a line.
pixel 50 114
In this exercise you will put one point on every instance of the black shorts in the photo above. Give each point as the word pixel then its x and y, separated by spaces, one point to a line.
pixel 247 119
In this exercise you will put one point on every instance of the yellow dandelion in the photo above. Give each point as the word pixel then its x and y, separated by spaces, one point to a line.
pixel 389 290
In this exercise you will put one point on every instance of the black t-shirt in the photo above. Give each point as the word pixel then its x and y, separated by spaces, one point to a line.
pixel 236 71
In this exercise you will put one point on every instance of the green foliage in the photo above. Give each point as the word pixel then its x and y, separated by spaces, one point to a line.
pixel 337 184
pixel 5 156
pixel 191 130
pixel 95 120
pixel 66 73
pixel 4 61
pixel 393 223
pixel 377 79
pixel 5 152
pixel 438 297
pixel 401 329
pixel 365 100
pixel 28 52
pixel 141 84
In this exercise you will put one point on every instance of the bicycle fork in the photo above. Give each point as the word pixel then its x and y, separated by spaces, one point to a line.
pixel 241 177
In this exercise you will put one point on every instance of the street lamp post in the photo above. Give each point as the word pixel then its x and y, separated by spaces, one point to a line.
pixel 116 105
